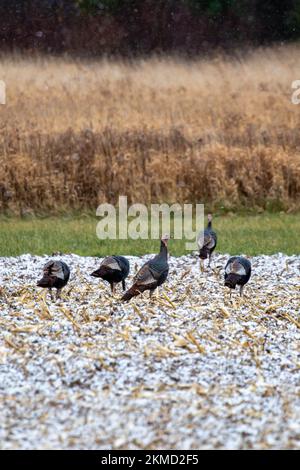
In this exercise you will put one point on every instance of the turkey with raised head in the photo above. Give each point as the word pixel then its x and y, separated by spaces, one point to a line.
pixel 113 269
pixel 55 275
pixel 237 272
pixel 207 242
pixel 152 274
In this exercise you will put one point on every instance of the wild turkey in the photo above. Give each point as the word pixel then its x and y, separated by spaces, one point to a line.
pixel 207 242
pixel 55 274
pixel 152 274
pixel 237 272
pixel 113 269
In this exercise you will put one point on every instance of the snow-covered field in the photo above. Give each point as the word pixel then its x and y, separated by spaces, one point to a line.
pixel 191 369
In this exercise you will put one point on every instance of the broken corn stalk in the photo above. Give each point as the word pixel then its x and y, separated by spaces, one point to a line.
pixel 193 340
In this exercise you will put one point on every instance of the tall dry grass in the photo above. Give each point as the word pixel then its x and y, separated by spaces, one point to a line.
pixel 220 131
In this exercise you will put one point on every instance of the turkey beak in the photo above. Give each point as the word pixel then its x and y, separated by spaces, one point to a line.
pixel 165 239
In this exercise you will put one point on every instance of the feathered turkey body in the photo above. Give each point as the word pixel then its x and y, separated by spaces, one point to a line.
pixel 152 274
pixel 55 275
pixel 237 272
pixel 207 242
pixel 113 269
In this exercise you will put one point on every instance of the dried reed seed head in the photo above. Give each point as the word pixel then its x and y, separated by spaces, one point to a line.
pixel 238 144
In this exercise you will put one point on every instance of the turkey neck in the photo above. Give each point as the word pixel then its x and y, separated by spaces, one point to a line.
pixel 163 250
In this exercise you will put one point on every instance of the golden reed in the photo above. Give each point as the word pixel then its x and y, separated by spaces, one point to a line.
pixel 222 131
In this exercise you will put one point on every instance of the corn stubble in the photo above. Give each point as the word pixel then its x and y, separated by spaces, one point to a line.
pixel 192 366
pixel 221 131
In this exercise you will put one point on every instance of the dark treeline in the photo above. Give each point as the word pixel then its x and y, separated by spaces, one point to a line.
pixel 134 27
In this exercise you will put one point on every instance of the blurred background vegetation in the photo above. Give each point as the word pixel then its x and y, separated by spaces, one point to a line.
pixel 201 112
pixel 138 27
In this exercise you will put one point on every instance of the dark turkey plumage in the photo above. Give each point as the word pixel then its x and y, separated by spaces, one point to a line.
pixel 152 274
pixel 113 269
pixel 207 242
pixel 237 272
pixel 55 275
